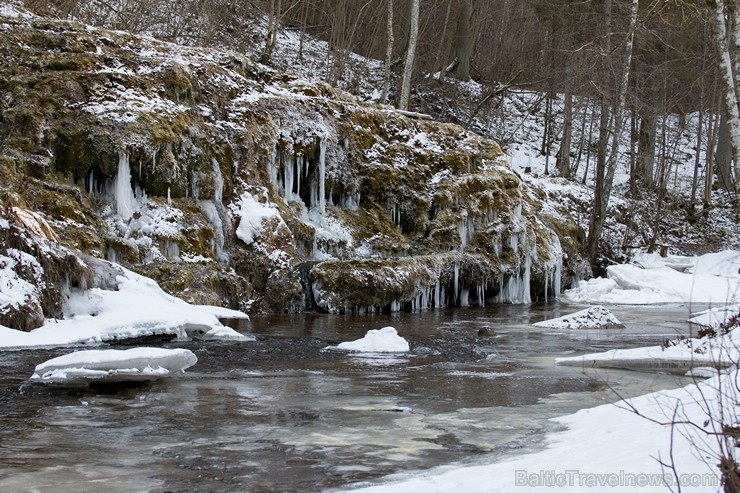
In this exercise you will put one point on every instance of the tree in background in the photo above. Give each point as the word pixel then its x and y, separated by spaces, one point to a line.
pixel 463 41
pixel 726 23
pixel 408 68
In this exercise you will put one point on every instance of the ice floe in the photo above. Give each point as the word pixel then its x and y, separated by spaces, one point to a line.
pixel 385 340
pixel 595 317
pixel 136 364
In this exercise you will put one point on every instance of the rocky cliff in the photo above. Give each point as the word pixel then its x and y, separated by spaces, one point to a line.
pixel 235 185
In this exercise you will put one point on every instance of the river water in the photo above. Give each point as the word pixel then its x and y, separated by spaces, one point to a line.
pixel 282 414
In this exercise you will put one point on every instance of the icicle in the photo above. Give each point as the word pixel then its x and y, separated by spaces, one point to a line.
pixel 218 188
pixel 273 167
pixel 462 232
pixel 514 242
pixel 91 184
pixel 299 165
pixel 437 289
pixel 111 255
pixel 322 175
pixel 288 170
pixel 125 199
pixel 172 250
pixel 216 214
pixel 455 283
pixel 464 297
pixel 481 294
pixel 169 196
pixel 497 245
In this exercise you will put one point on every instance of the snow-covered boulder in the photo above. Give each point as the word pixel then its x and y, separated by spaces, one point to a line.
pixel 595 317
pixel 115 365
pixel 385 340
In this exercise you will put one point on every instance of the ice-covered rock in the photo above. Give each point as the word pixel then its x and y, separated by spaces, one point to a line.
pixel 595 317
pixel 114 365
pixel 385 340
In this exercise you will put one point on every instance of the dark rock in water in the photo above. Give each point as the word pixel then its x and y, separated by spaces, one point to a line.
pixel 109 388
pixel 485 332
pixel 144 340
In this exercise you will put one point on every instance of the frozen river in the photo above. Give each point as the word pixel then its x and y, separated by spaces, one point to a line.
pixel 282 415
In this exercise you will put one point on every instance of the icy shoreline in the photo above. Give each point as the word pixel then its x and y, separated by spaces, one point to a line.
pixel 139 308
pixel 620 447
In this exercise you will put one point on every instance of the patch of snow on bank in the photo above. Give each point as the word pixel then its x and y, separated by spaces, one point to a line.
pixel 705 279
pixel 595 317
pixel 714 317
pixel 115 365
pixel 221 312
pixel 679 355
pixel 252 214
pixel 385 340
pixel 604 449
pixel 14 290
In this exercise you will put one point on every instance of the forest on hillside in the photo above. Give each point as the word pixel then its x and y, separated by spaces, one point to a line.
pixel 623 66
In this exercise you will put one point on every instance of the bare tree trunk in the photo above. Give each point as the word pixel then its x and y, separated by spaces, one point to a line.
pixel 464 41
pixel 723 155
pixel 633 153
pixel 408 68
pixel 709 159
pixel 388 53
pixel 721 18
pixel 545 148
pixel 564 153
pixel 646 148
pixel 273 23
pixel 302 35
pixel 443 45
pixel 603 194
pixel 697 156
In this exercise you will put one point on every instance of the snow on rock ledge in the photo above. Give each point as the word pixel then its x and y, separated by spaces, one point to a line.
pixel 115 365
pixel 138 308
pixel 385 340
pixel 595 317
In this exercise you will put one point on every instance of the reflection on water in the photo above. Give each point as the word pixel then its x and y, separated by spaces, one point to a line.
pixel 282 414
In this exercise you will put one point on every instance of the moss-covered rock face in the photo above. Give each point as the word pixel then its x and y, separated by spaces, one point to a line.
pixel 220 179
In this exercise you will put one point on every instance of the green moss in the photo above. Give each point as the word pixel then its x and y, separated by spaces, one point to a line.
pixel 366 283
pixel 70 63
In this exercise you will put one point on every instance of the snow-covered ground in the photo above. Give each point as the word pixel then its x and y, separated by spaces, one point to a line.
pixel 603 449
pixel 653 443
pixel 651 279
pixel 138 308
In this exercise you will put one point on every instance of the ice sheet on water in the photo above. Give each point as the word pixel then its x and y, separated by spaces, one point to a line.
pixel 115 365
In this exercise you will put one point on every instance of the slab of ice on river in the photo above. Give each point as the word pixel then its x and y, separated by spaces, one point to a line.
pixel 115 365
pixel 385 340
pixel 595 317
